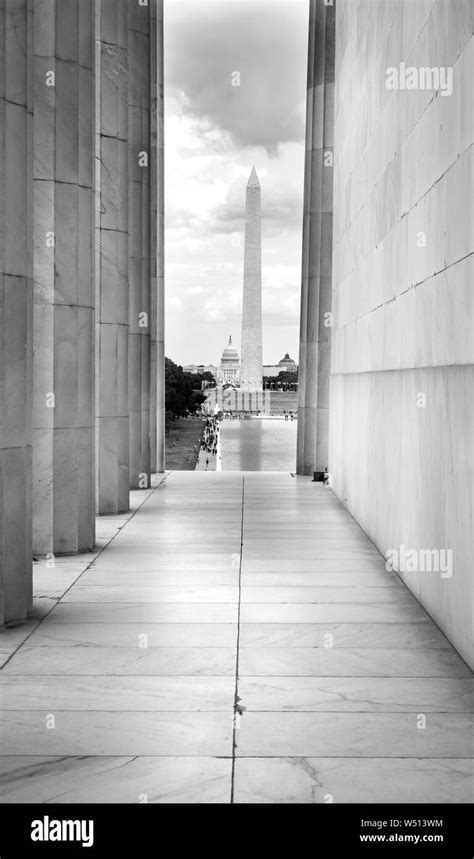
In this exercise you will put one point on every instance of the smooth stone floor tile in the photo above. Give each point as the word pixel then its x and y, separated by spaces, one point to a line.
pixel 370 780
pixel 170 566
pixel 310 595
pixel 345 662
pixel 281 550
pixel 11 638
pixel 131 634
pixel 138 693
pixel 136 556
pixel 124 660
pixel 160 594
pixel 314 533
pixel 53 585
pixel 171 562
pixel 115 779
pixel 421 634
pixel 345 694
pixel 295 578
pixel 124 733
pixel 321 565
pixel 354 735
pixel 330 613
pixel 271 509
pixel 273 526
pixel 142 613
pixel 148 578
pixel 350 546
pixel 190 531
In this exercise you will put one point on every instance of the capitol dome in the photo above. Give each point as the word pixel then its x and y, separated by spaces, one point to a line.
pixel 229 371
pixel 230 355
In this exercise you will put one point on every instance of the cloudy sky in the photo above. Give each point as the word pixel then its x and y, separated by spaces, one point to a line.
pixel 214 133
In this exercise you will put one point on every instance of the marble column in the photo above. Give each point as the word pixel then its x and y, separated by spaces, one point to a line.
pixel 157 398
pixel 139 103
pixel 157 240
pixel 153 229
pixel 63 213
pixel 16 303
pixel 112 294
pixel 316 291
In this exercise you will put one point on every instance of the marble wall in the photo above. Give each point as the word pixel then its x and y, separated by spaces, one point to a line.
pixel 402 378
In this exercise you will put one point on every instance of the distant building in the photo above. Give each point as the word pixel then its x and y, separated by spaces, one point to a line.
pixel 229 370
pixel 286 365
pixel 202 368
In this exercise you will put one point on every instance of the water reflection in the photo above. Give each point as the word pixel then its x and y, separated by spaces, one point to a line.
pixel 258 445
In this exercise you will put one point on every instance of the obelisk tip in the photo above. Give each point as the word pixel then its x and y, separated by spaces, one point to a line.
pixel 253 179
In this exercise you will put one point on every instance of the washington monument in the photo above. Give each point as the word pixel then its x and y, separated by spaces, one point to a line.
pixel 251 356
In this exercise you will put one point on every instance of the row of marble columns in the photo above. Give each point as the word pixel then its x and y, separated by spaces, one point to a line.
pixel 81 208
pixel 316 288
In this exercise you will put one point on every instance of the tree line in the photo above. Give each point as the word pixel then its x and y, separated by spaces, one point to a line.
pixel 183 391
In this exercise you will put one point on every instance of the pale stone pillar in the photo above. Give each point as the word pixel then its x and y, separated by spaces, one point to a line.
pixel 63 368
pixel 139 101
pixel 112 294
pixel 316 291
pixel 157 413
pixel 159 409
pixel 139 242
pixel 15 313
pixel 154 118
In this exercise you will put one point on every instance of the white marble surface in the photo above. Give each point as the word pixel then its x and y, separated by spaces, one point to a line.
pixel 115 779
pixel 129 634
pixel 139 661
pixel 146 594
pixel 351 662
pixel 97 732
pixel 354 735
pixel 110 612
pixel 121 692
pixel 324 594
pixel 351 693
pixel 402 295
pixel 377 780
pixel 309 635
pixel 123 661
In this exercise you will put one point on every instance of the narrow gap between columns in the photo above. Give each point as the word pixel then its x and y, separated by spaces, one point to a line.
pixel 236 714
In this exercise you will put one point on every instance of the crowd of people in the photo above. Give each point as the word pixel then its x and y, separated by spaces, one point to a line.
pixel 210 437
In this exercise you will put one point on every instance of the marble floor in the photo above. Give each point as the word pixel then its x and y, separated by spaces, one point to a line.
pixel 234 638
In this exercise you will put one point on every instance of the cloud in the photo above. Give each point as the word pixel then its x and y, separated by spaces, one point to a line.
pixel 211 44
pixel 210 148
